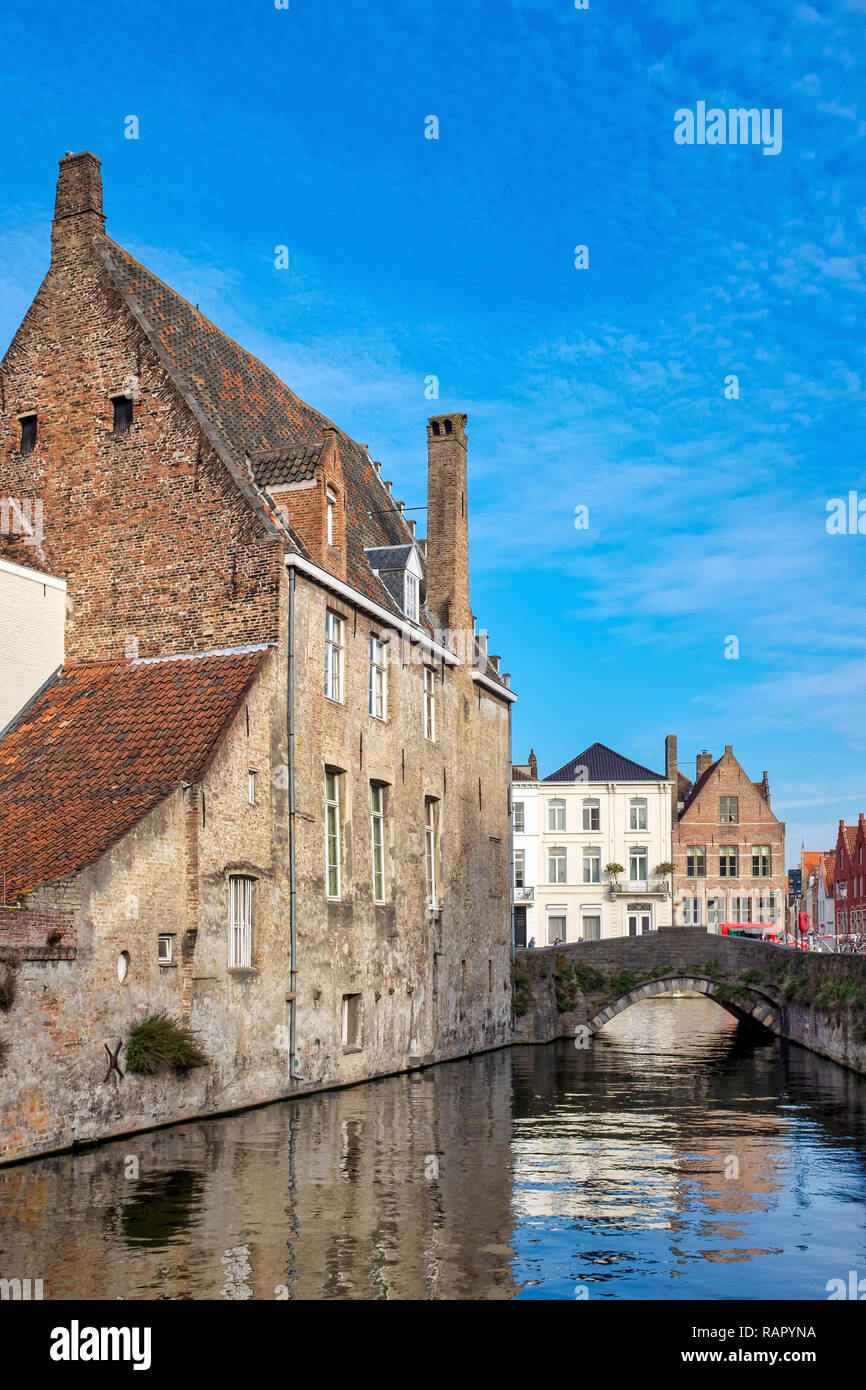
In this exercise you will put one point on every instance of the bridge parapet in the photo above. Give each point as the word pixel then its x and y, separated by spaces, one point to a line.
pixel 818 1001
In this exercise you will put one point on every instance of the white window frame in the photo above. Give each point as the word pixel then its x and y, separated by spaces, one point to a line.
pixel 430 805
pixel 692 912
pixel 585 914
pixel 350 1002
pixel 592 803
pixel 556 815
pixel 334 654
pixel 167 940
pixel 519 816
pixel 378 678
pixel 637 813
pixel 636 852
pixel 557 855
pixel 556 914
pixel 252 778
pixel 430 704
pixel 590 864
pixel 377 839
pixel 240 922
pixel 716 910
pixel 411 596
pixel 330 506
pixel 520 868
pixel 333 867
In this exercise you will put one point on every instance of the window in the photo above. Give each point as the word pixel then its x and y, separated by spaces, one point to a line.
pixel 430 818
pixel 520 868
pixel 378 679
pixel 377 825
pixel 495 876
pixel 332 833
pixel 351 1020
pixel 764 908
pixel 333 656
pixel 28 433
pixel 556 866
pixel 430 704
pixel 729 810
pixel 163 950
pixel 637 864
pixel 330 507
pixel 715 911
pixel 122 406
pixel 760 861
pixel 519 821
pixel 556 925
pixel 729 861
pixel 692 912
pixel 696 861
pixel 590 926
pixel 252 777
pixel 591 866
pixel 411 597
pixel 123 962
pixel 556 815
pixel 591 815
pixel 741 910
pixel 240 921
pixel 637 813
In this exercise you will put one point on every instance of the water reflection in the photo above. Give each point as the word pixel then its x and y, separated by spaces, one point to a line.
pixel 678 1157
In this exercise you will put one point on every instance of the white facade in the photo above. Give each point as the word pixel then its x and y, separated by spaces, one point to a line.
pixel 571 832
pixel 32 617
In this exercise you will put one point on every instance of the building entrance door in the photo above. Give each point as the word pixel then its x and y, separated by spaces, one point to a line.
pixel 638 923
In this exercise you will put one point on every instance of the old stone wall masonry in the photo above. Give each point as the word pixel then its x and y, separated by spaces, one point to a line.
pixel 816 1000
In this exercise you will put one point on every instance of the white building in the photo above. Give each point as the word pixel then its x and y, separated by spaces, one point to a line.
pixel 32 615
pixel 600 810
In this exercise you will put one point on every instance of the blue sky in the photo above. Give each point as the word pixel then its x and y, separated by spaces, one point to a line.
pixel 603 388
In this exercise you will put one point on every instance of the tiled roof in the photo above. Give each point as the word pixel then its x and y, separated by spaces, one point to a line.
pixel 604 765
pixel 811 860
pixel 100 747
pixel 698 786
pixel 520 772
pixel 294 463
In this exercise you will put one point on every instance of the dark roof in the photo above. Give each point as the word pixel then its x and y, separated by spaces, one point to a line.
pixel 294 463
pixel 604 765
pixel 99 747
pixel 389 557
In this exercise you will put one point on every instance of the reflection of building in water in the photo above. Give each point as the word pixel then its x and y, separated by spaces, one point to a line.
pixel 335 1198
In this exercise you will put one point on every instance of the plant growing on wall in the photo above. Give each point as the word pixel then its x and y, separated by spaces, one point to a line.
pixel 54 937
pixel 8 987
pixel 4 1052
pixel 161 1041
pixel 666 869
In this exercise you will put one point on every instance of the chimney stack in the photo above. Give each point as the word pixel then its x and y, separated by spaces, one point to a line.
pixel 78 205
pixel 533 766
pixel 447 524
pixel 702 762
pixel 671 774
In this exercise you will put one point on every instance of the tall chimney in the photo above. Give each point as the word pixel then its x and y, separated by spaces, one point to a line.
pixel 533 766
pixel 702 762
pixel 447 525
pixel 671 774
pixel 78 205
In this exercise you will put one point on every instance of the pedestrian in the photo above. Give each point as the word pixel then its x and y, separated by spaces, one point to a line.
pixel 531 943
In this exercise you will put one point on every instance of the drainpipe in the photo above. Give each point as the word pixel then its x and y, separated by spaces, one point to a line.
pixel 293 876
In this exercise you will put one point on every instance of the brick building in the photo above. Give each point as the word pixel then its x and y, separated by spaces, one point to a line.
pixel 729 848
pixel 849 875
pixel 319 882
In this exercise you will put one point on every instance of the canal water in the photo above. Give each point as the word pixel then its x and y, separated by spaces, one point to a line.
pixel 677 1157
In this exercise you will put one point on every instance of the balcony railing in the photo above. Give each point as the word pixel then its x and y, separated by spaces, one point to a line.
pixel 524 895
pixel 645 887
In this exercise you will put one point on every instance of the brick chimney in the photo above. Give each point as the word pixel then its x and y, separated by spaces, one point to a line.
pixel 78 205
pixel 533 766
pixel 447 525
pixel 671 774
pixel 702 762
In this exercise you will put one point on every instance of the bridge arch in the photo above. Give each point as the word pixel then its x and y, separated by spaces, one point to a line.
pixel 749 1004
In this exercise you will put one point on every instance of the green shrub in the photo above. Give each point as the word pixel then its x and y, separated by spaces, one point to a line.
pixel 751 977
pixel 519 991
pixel 54 937
pixel 160 1041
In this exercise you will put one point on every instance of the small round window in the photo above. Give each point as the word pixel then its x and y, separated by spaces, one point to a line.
pixel 123 966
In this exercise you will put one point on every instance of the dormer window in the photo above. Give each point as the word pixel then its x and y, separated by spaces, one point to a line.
pixel 122 414
pixel 410 606
pixel 28 433
pixel 331 504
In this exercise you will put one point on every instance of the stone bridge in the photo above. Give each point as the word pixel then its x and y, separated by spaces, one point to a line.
pixel 816 1000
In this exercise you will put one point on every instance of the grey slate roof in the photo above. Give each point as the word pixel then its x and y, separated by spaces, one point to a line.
pixel 604 765
pixel 389 557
